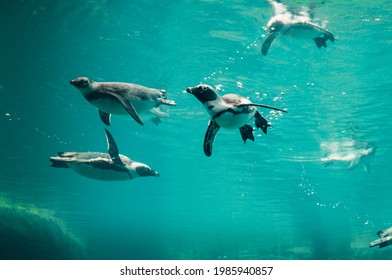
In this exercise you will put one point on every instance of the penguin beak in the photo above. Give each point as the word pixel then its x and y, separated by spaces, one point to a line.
pixel 72 82
pixel 189 90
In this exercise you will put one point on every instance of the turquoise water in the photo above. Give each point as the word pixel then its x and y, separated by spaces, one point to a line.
pixel 268 199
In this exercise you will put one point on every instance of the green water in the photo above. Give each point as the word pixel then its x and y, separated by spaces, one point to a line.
pixel 267 199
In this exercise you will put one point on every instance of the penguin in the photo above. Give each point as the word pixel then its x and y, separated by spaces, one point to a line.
pixel 384 240
pixel 295 25
pixel 110 166
pixel 122 98
pixel 229 111
pixel 353 152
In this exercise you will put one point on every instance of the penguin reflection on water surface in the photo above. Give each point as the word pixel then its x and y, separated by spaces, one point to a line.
pixel 122 98
pixel 109 166
pixel 229 111
pixel 297 25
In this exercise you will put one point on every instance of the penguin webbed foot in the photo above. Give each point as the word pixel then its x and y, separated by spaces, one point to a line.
pixel 261 122
pixel 321 42
pixel 247 133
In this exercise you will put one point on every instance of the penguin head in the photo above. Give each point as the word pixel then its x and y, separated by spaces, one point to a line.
pixel 144 170
pixel 276 24
pixel 81 83
pixel 203 93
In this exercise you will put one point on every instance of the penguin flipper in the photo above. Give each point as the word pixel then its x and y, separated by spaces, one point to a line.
pixel 262 122
pixel 209 137
pixel 128 106
pixel 247 133
pixel 105 117
pixel 112 149
pixel 263 106
pixel 366 167
pixel 353 163
pixel 267 42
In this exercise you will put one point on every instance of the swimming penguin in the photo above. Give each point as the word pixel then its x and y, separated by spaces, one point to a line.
pixel 353 152
pixel 229 111
pixel 102 166
pixel 295 25
pixel 122 98
pixel 384 240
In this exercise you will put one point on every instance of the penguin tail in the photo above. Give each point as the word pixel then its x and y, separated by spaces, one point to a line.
pixel 58 162
pixel 329 36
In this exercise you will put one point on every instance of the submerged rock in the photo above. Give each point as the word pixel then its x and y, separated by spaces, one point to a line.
pixel 32 233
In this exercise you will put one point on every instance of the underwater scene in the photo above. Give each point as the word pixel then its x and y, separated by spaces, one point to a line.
pixel 196 129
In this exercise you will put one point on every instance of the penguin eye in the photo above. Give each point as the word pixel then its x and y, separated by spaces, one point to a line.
pixel 84 83
pixel 204 88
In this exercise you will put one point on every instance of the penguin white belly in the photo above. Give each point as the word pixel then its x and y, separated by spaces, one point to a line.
pixel 230 120
pixel 301 31
pixel 144 106
pixel 113 106
pixel 110 106
pixel 92 172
